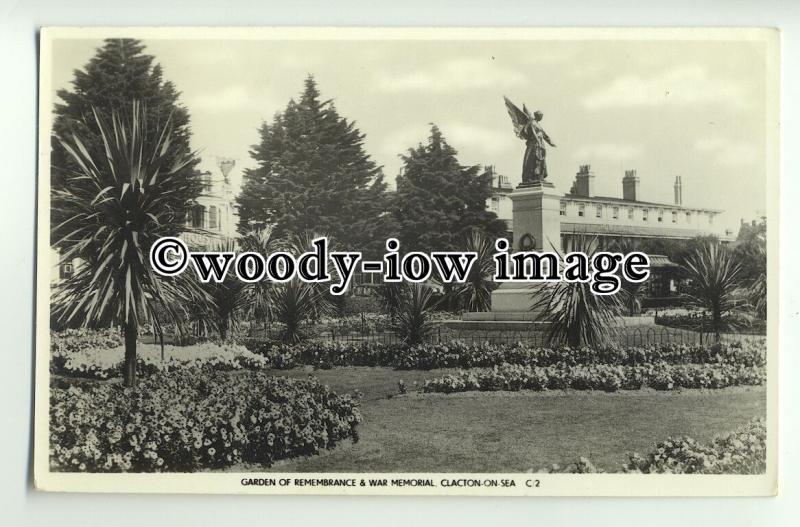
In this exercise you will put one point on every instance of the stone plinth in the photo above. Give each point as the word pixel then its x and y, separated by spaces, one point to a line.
pixel 537 227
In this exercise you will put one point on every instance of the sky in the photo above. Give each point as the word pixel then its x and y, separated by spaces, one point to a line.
pixel 671 107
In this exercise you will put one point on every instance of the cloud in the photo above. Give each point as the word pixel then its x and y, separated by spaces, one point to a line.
pixel 607 152
pixel 471 141
pixel 727 152
pixel 684 85
pixel 464 136
pixel 236 97
pixel 452 75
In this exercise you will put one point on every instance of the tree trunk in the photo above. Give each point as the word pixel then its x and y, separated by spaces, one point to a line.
pixel 716 321
pixel 129 368
pixel 223 329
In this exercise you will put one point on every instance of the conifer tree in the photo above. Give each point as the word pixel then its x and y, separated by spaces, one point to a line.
pixel 439 202
pixel 117 76
pixel 313 175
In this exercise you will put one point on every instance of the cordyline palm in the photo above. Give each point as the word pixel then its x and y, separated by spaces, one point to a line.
pixel 631 292
pixel 715 279
pixel 391 298
pixel 258 293
pixel 574 314
pixel 413 323
pixel 228 299
pixel 115 209
pixel 476 292
pixel 294 303
pixel 757 290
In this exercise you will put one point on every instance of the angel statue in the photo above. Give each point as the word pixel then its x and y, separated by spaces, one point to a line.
pixel 534 168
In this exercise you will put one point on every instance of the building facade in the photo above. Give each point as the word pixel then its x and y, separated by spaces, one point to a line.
pixel 582 212
pixel 212 220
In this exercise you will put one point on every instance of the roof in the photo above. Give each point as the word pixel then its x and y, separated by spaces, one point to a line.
pixel 660 261
pixel 632 230
pixel 636 202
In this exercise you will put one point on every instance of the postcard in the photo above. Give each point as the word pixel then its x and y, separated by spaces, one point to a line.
pixel 483 262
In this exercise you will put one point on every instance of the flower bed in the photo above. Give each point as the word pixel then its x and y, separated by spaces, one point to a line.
pixel 457 354
pixel 100 355
pixel 610 378
pixel 190 419
pixel 71 342
pixel 104 363
pixel 743 451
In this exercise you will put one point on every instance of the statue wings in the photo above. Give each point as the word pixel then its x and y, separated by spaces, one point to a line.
pixel 518 117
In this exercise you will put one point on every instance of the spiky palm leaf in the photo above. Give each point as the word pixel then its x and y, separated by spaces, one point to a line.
pixel 574 314
pixel 228 299
pixel 258 293
pixel 631 293
pixel 476 292
pixel 757 290
pixel 294 304
pixel 115 209
pixel 715 279
pixel 391 297
pixel 413 323
pixel 297 244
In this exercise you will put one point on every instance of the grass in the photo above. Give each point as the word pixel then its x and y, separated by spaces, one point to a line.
pixel 513 432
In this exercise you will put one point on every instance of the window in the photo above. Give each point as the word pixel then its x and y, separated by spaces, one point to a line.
pixel 581 210
pixel 645 212
pixel 563 210
pixel 688 217
pixel 630 213
pixel 674 216
pixel 660 215
pixel 65 270
pixel 599 211
pixel 198 217
pixel 212 218
pixel 710 218
pixel 615 212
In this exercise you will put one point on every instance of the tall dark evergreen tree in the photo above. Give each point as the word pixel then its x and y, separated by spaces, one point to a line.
pixel 118 75
pixel 313 175
pixel 439 202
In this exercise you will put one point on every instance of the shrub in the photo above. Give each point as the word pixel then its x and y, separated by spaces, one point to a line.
pixel 190 419
pixel 364 324
pixel 743 451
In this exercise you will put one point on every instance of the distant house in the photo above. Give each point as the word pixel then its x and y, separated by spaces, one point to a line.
pixel 212 219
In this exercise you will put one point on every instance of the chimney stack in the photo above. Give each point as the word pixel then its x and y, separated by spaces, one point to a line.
pixel 630 185
pixel 584 182
pixel 678 191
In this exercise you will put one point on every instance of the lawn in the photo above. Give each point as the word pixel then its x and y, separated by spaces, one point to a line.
pixel 513 432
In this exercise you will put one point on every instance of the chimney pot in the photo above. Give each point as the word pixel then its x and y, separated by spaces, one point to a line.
pixel 584 182
pixel 630 185
pixel 678 191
